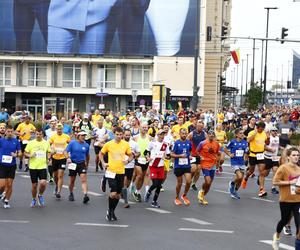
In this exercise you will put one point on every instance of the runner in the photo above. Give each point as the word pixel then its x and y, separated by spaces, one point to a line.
pixel 100 135
pixel 39 152
pixel 209 151
pixel 78 163
pixel 129 168
pixel 237 150
pixel 86 126
pixel 182 166
pixel 50 132
pixel 156 152
pixel 221 139
pixel 115 169
pixel 9 149
pixel 58 142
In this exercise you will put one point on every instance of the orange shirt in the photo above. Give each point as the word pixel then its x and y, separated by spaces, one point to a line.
pixel 209 152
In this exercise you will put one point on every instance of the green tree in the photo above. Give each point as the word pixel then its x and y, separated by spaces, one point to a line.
pixel 254 97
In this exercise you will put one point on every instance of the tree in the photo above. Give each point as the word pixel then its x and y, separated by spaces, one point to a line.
pixel 254 97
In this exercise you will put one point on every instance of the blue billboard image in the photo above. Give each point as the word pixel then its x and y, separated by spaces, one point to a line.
pixel 98 27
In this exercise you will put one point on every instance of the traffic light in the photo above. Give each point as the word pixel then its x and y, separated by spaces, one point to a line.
pixel 284 34
pixel 224 32
pixel 222 82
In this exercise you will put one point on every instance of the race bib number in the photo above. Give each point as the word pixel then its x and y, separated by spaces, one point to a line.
pixel 59 150
pixel 72 166
pixel 275 158
pixel 239 153
pixel 260 156
pixel 193 159
pixel 183 161
pixel 142 160
pixel 293 189
pixel 285 131
pixel 25 142
pixel 7 158
pixel 110 175
pixel 40 154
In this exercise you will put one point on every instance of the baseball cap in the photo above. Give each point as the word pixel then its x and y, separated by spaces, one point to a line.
pixel 59 125
pixel 273 129
pixel 161 131
pixel 86 116
pixel 211 132
pixel 82 133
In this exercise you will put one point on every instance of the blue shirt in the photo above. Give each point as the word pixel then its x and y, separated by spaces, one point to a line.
pixel 78 151
pixel 8 146
pixel 182 147
pixel 4 116
pixel 236 147
pixel 67 129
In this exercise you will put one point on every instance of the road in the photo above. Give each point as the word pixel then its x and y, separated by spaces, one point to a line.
pixel 224 224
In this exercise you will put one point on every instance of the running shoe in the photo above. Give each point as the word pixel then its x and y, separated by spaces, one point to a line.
pixel 193 186
pixel 262 193
pixel 235 196
pixel 51 180
pixel 26 169
pixel 231 188
pixel 103 184
pixel 2 197
pixel 57 195
pixel 275 242
pixel 287 230
pixel 113 216
pixel 139 197
pixel 71 197
pixel 132 189
pixel 185 199
pixel 108 216
pixel 274 190
pixel 177 202
pixel 220 169
pixel 244 183
pixel 155 204
pixel 33 203
pixel 41 200
pixel 218 172
pixel 162 190
pixel 85 199
pixel 201 198
pixel 147 197
pixel 135 196
pixel 6 205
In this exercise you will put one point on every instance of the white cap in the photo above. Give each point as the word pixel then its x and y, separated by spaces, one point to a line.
pixel 53 118
pixel 82 133
pixel 86 116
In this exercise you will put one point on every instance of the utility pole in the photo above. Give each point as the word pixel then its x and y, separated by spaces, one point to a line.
pixel 253 65
pixel 242 80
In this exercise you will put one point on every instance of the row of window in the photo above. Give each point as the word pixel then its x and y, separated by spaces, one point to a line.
pixel 71 75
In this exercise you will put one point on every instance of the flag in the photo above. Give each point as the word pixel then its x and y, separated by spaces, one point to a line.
pixel 236 55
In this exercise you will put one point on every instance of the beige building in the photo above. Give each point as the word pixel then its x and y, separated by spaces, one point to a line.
pixel 36 83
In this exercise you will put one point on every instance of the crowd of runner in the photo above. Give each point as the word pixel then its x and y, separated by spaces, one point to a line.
pixel 137 151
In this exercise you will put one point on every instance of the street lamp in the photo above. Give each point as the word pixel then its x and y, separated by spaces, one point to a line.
pixel 266 53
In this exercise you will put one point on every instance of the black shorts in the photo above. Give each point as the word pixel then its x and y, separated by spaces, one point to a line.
pixel 97 149
pixel 129 173
pixel 198 159
pixel 80 169
pixel 181 171
pixel 253 161
pixel 37 174
pixel 88 141
pixel 143 166
pixel 58 164
pixel 284 142
pixel 270 164
pixel 23 146
pixel 7 172
pixel 116 184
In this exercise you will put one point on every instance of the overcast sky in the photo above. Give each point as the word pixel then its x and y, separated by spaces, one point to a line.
pixel 249 19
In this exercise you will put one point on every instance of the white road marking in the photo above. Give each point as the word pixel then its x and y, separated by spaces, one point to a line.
pixel 94 194
pixel 129 202
pixel 100 225
pixel 15 221
pixel 25 176
pixel 67 187
pixel 262 199
pixel 281 246
pixel 205 230
pixel 194 220
pixel 221 191
pixel 223 177
pixel 157 210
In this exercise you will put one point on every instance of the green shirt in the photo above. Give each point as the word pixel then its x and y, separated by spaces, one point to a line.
pixel 40 150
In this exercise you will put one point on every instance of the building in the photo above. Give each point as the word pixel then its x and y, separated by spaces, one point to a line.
pixel 36 82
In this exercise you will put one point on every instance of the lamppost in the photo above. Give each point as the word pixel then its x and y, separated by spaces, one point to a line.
pixel 266 53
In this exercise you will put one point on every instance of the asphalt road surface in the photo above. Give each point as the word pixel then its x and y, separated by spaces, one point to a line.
pixel 224 223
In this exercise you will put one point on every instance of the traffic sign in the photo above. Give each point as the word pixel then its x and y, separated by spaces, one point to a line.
pixel 101 94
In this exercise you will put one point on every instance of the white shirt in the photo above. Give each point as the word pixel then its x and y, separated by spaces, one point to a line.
pixel 158 150
pixel 274 144
pixel 135 150
pixel 99 134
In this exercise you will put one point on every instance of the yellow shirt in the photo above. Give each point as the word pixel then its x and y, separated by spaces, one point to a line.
pixel 175 130
pixel 107 125
pixel 116 155
pixel 220 117
pixel 220 136
pixel 257 145
pixel 25 131
pixel 59 144
pixel 95 119
pixel 40 149
pixel 187 124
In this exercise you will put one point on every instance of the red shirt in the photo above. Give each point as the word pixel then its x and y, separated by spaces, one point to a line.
pixel 209 152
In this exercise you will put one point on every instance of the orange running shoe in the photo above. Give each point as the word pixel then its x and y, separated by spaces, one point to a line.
pixel 244 184
pixel 177 202
pixel 185 199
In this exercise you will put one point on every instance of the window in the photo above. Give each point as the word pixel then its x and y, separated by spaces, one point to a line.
pixel 37 74
pixel 5 74
pixel 140 77
pixel 106 76
pixel 71 75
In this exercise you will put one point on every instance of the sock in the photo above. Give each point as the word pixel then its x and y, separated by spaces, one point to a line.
pixel 110 204
pixel 124 194
pixel 6 201
pixel 297 244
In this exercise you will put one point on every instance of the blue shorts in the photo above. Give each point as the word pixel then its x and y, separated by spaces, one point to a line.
pixel 210 173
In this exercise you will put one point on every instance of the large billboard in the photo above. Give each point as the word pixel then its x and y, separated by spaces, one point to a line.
pixel 98 27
